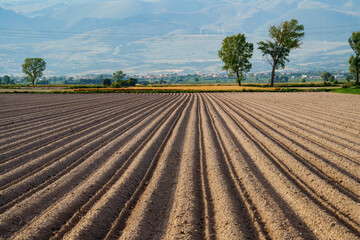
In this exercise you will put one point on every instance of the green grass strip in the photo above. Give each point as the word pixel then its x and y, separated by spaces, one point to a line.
pixel 352 90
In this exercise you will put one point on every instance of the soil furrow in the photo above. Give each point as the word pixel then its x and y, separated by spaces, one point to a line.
pixel 256 223
pixel 30 128
pixel 180 166
pixel 103 125
pixel 327 133
pixel 28 141
pixel 313 121
pixel 263 200
pixel 159 193
pixel 119 224
pixel 37 108
pixel 70 162
pixel 207 200
pixel 109 194
pixel 30 207
pixel 186 216
pixel 318 179
pixel 328 211
pixel 90 136
pixel 230 215
pixel 311 129
pixel 44 225
pixel 327 111
pixel 328 170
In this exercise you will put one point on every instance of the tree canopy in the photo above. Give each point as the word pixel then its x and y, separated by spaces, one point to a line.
pixel 34 68
pixel 283 38
pixel 325 76
pixel 235 53
pixel 118 75
pixel 107 82
pixel 354 61
pixel 7 80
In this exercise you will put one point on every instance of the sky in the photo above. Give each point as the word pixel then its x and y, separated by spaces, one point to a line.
pixel 141 36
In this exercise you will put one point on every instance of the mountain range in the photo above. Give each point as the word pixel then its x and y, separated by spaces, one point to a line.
pixel 158 36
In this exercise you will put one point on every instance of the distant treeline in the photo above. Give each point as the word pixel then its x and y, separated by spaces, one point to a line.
pixel 178 79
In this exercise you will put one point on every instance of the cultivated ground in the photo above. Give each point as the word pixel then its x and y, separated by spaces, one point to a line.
pixel 180 166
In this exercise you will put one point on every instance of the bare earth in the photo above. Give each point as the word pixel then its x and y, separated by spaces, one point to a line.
pixel 180 166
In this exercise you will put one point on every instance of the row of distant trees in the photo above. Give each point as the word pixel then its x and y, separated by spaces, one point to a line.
pixel 236 51
pixel 34 67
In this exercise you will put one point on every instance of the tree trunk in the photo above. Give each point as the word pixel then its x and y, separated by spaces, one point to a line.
pixel 238 79
pixel 273 75
pixel 357 76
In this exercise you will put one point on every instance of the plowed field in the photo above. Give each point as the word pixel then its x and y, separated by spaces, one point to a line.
pixel 180 166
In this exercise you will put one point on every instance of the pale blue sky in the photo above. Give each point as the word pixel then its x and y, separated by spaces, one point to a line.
pixel 153 35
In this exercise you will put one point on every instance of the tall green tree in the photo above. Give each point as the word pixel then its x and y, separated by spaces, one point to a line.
pixel 283 38
pixel 33 67
pixel 118 75
pixel 354 61
pixel 354 67
pixel 325 76
pixel 235 53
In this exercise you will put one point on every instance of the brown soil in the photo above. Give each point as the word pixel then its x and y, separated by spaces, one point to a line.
pixel 180 166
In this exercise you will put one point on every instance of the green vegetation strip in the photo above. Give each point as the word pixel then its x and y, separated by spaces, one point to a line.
pixel 185 91
pixel 81 91
pixel 352 90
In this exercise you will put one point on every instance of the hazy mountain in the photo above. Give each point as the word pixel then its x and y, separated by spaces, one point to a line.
pixel 166 35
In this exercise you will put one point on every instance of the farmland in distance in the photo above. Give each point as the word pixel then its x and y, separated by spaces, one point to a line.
pixel 180 166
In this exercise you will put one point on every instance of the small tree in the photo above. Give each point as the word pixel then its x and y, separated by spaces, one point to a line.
pixel 34 68
pixel 116 84
pixel 325 76
pixel 235 53
pixel 284 38
pixel 331 78
pixel 7 80
pixel 354 61
pixel 349 78
pixel 107 82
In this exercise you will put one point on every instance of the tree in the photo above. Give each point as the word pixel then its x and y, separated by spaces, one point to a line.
pixel 107 82
pixel 235 53
pixel 7 80
pixel 348 78
pixel 331 78
pixel 325 76
pixel 118 75
pixel 116 84
pixel 284 38
pixel 34 68
pixel 132 82
pixel 354 61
